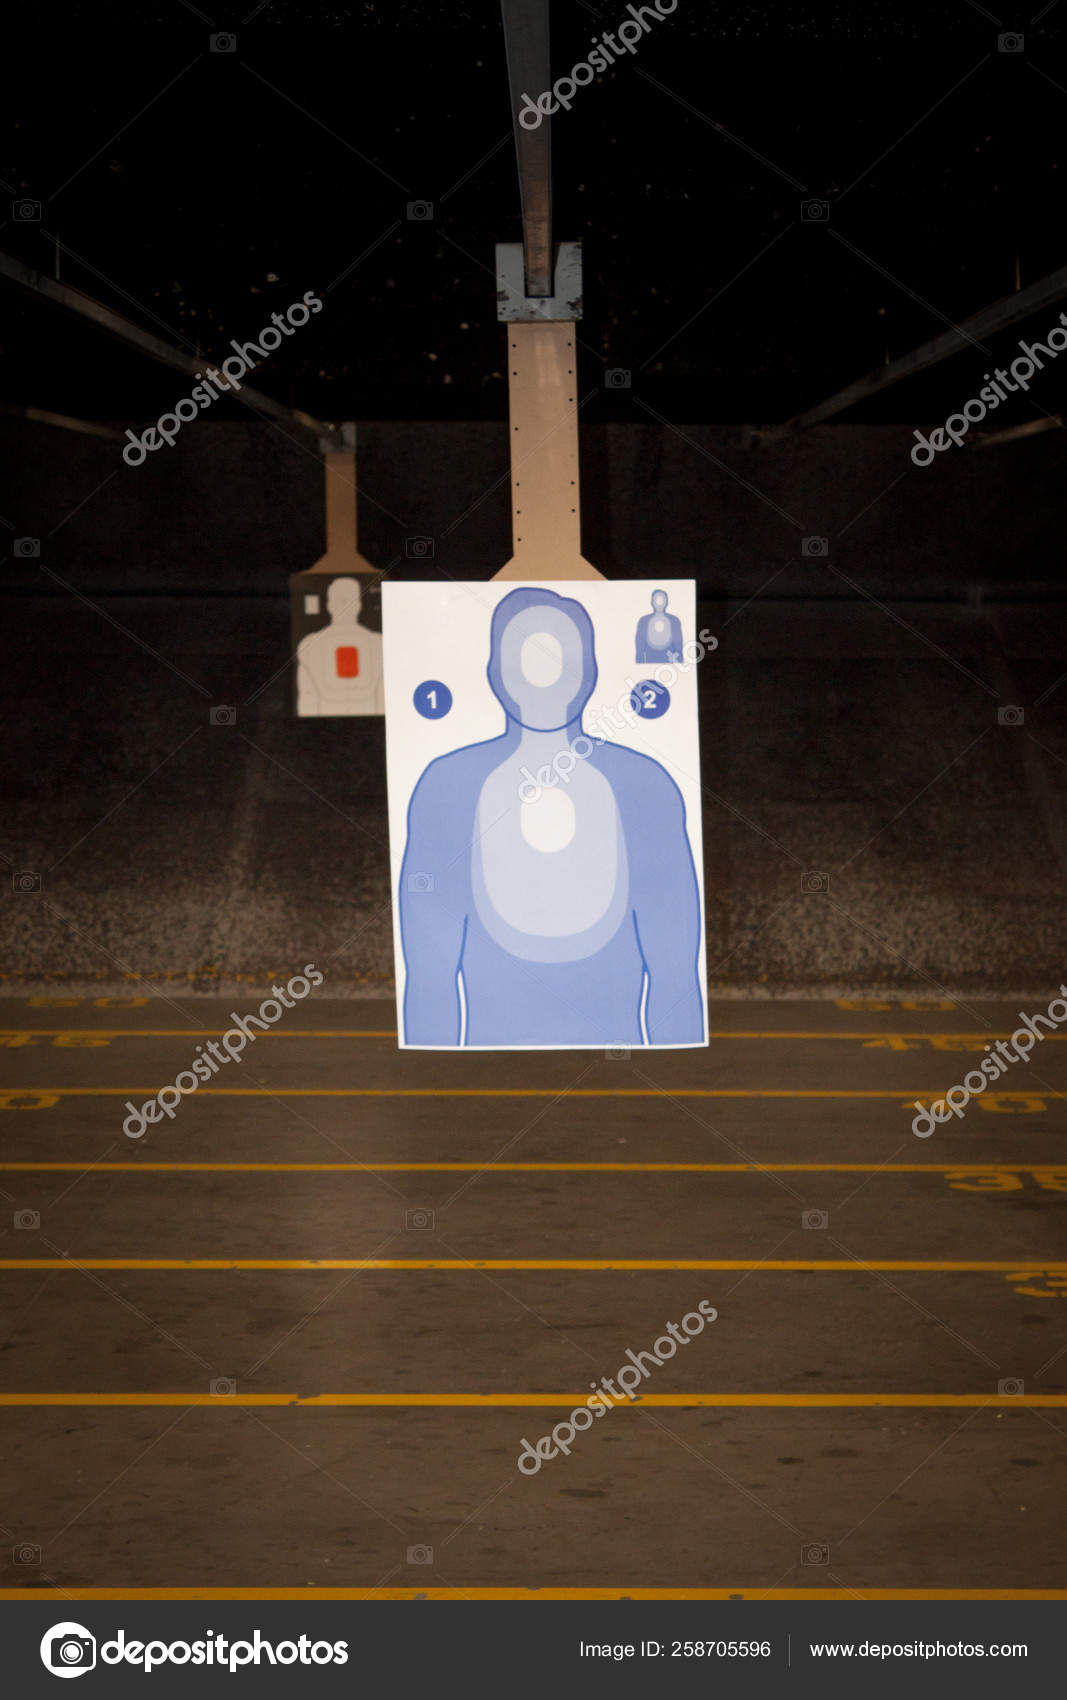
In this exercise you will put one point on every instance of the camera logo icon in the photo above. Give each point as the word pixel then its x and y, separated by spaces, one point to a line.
pixel 25 882
pixel 617 378
pixel 1010 43
pixel 1010 715
pixel 419 1220
pixel 27 549
pixel 815 548
pixel 618 1053
pixel 68 1649
pixel 1011 1387
pixel 814 882
pixel 420 212
pixel 26 212
pixel 26 1553
pixel 814 1218
pixel 420 882
pixel 223 43
pixel 420 1555
pixel 419 548
pixel 223 1387
pixel 815 212
pixel 27 1219
pixel 224 715
pixel 815 1552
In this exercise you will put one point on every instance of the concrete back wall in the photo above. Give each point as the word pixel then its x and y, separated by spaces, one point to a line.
pixel 236 508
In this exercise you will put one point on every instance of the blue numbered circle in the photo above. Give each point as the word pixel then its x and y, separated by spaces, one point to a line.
pixel 432 699
pixel 650 699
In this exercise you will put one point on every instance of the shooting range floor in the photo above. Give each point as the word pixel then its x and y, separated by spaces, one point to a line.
pixel 293 1338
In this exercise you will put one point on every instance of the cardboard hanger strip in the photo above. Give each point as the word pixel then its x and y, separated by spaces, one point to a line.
pixel 543 433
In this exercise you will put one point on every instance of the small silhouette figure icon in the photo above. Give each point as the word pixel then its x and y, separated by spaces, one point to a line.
pixel 659 634
pixel 339 668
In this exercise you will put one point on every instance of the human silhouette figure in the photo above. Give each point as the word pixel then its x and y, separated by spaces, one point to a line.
pixel 559 913
pixel 659 634
pixel 339 667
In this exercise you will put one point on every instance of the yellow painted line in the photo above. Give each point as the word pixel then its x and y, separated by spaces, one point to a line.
pixel 207 1032
pixel 474 1592
pixel 1022 1266
pixel 561 1091
pixel 87 1167
pixel 562 1401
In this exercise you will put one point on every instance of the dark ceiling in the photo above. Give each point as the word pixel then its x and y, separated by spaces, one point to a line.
pixel 199 191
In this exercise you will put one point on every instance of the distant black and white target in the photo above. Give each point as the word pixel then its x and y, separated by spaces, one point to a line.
pixel 337 644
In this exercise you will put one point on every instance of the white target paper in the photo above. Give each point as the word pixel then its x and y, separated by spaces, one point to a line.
pixel 544 814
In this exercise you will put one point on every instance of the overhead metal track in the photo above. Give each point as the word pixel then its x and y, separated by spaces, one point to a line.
pixel 63 421
pixel 1016 433
pixel 526 42
pixel 105 319
pixel 986 323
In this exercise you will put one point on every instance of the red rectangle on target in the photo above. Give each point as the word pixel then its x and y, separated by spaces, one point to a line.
pixel 347 657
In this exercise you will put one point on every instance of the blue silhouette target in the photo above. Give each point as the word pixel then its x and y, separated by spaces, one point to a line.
pixel 548 894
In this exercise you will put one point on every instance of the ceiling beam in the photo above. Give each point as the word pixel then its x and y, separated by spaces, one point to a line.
pixel 526 42
pixel 105 319
pixel 988 322
pixel 64 421
pixel 1015 433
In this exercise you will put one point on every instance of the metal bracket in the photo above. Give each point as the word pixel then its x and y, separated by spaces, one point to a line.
pixel 513 303
pixel 345 443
